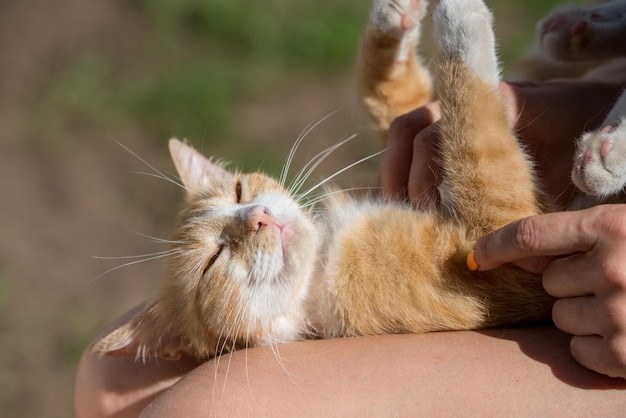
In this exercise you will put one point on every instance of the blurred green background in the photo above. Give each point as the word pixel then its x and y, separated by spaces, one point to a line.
pixel 240 79
pixel 203 58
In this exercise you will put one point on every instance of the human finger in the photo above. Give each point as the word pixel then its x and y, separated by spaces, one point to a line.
pixel 580 316
pixel 553 234
pixel 600 271
pixel 395 166
pixel 396 161
pixel 604 355
pixel 424 172
pixel 573 276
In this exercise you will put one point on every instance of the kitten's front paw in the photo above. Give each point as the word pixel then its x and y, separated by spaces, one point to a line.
pixel 463 30
pixel 600 164
pixel 572 33
pixel 398 18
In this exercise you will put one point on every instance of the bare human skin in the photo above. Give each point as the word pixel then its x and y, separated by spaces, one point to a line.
pixel 509 371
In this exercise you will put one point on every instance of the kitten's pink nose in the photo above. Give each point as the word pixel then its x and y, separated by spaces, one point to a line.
pixel 258 217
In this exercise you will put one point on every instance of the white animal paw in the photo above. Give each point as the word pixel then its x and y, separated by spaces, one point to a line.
pixel 600 164
pixel 398 18
pixel 463 30
pixel 572 33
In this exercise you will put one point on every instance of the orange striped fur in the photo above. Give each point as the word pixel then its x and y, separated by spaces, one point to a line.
pixel 251 265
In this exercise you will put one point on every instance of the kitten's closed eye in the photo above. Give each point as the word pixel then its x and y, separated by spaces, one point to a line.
pixel 238 192
pixel 213 258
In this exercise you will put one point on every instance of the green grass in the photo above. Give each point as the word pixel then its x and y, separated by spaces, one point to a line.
pixel 186 101
pixel 320 35
pixel 207 57
pixel 204 59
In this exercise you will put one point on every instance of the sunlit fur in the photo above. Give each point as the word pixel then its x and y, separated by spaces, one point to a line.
pixel 392 79
pixel 358 266
pixel 253 291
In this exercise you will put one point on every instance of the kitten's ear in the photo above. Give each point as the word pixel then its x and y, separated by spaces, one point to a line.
pixel 144 336
pixel 195 170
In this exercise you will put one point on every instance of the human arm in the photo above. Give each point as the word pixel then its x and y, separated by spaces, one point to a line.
pixel 516 371
pixel 112 386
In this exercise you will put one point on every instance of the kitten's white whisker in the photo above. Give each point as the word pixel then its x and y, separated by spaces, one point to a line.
pixel 292 152
pixel 556 199
pixel 216 366
pixel 321 183
pixel 160 177
pixel 309 128
pixel 238 322
pixel 149 258
pixel 281 362
pixel 125 257
pixel 532 121
pixel 158 172
pixel 269 331
pixel 160 240
pixel 315 200
pixel 306 170
pixel 246 353
pixel 310 166
pixel 224 335
pixel 164 252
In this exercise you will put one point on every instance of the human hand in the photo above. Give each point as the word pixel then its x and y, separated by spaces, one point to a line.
pixel 118 386
pixel 582 256
pixel 409 169
pixel 548 117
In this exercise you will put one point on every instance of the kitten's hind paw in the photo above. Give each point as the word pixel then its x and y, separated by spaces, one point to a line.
pixel 572 33
pixel 600 163
pixel 463 31
pixel 398 17
pixel 392 78
pixel 401 20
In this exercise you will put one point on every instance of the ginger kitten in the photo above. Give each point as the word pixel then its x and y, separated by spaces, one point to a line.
pixel 254 266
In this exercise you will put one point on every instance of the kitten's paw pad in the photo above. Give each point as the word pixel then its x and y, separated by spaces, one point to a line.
pixel 574 33
pixel 600 164
pixel 398 18
pixel 463 30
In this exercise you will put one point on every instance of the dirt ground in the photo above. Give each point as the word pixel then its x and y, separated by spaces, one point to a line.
pixel 63 203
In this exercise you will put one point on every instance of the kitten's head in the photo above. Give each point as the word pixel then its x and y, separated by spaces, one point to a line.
pixel 242 258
